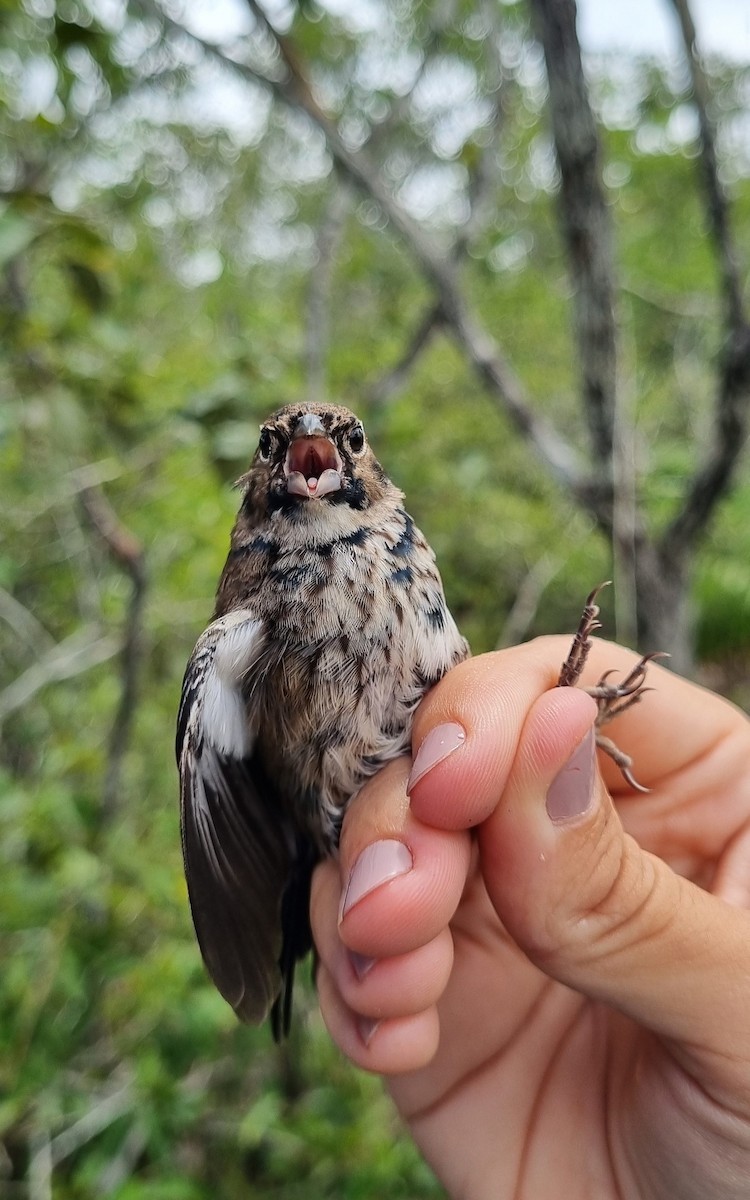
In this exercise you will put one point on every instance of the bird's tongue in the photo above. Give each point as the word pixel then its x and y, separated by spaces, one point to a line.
pixel 313 467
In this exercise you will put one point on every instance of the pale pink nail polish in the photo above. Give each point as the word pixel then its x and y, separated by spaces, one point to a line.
pixel 376 864
pixel 361 964
pixel 367 1028
pixel 572 790
pixel 438 744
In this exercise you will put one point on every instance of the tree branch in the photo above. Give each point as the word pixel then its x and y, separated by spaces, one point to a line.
pixel 585 219
pixel 73 656
pixel 391 382
pixel 528 596
pixel 39 1174
pixel 717 201
pixel 712 480
pixel 106 1110
pixel 26 627
pixel 119 1169
pixel 128 553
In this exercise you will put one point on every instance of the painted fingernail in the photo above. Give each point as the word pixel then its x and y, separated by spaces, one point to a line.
pixel 439 743
pixel 376 864
pixel 361 964
pixel 572 790
pixel 367 1028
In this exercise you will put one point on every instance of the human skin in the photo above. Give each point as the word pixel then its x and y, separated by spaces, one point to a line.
pixel 559 1006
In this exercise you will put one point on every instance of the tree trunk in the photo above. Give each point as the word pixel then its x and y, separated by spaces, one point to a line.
pixel 663 606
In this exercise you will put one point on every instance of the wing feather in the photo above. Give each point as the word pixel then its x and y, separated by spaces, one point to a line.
pixel 237 847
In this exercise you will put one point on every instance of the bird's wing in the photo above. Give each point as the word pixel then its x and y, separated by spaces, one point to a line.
pixel 237 847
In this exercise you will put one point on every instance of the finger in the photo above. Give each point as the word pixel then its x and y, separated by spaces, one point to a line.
pixel 389 1047
pixel 466 731
pixel 594 911
pixel 380 920
pixel 401 880
pixel 376 987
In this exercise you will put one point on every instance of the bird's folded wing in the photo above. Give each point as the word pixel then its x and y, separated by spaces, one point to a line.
pixel 236 845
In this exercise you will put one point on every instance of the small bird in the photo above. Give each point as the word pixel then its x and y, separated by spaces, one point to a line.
pixel 330 625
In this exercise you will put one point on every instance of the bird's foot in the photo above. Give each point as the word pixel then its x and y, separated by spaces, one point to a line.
pixel 612 698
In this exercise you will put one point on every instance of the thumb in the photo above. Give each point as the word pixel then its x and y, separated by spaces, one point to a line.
pixel 594 911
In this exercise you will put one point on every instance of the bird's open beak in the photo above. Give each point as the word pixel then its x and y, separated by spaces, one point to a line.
pixel 313 465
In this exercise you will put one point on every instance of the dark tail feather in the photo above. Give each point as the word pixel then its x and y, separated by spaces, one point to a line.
pixel 296 933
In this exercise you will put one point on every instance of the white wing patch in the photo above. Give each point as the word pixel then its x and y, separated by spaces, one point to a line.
pixel 224 716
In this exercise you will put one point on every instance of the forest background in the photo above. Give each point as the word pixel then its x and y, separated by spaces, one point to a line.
pixel 539 311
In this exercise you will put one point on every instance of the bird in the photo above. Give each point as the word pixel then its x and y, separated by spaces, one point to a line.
pixel 330 625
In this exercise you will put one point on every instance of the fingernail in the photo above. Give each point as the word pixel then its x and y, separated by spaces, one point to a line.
pixel 572 790
pixel 439 743
pixel 361 964
pixel 376 864
pixel 367 1027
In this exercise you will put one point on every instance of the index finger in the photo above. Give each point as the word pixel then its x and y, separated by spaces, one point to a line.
pixel 467 728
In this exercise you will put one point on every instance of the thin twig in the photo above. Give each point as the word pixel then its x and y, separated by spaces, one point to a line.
pixel 120 1168
pixel 528 596
pixel 25 625
pixel 73 483
pixel 39 1174
pixel 128 553
pixel 394 379
pixel 74 656
pixel 104 1113
pixel 688 308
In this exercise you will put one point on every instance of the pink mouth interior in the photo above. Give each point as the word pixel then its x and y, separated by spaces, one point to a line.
pixel 311 457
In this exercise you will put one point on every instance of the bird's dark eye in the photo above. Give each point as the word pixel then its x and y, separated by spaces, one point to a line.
pixel 265 445
pixel 357 439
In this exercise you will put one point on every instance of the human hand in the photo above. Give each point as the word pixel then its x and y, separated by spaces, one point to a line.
pixel 561 999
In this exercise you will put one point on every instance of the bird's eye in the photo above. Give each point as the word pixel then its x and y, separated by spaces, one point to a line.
pixel 265 445
pixel 357 439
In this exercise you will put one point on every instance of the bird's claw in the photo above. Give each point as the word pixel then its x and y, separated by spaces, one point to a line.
pixel 622 760
pixel 612 699
pixel 572 668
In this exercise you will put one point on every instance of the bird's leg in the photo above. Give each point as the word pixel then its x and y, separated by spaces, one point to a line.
pixel 612 698
pixel 572 668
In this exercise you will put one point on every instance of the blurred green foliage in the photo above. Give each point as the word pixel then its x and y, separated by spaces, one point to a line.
pixel 156 260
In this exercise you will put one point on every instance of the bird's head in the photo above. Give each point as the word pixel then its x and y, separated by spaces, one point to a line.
pixel 312 454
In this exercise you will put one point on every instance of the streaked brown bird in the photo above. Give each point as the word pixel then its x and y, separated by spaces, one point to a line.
pixel 330 625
